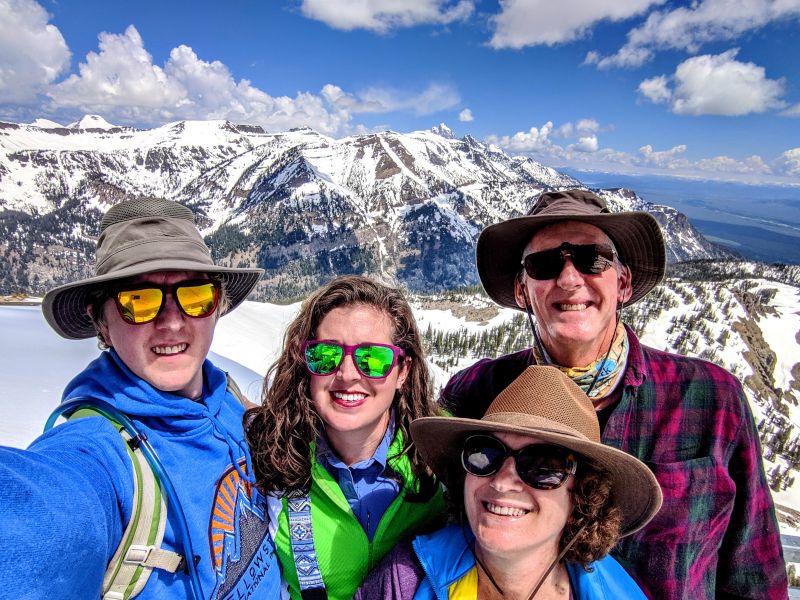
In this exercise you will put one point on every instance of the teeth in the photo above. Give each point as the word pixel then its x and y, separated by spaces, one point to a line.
pixel 348 397
pixel 505 511
pixel 572 306
pixel 167 350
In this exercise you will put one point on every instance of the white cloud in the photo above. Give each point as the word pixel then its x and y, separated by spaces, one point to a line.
pixel 586 153
pixel 382 16
pixel 587 143
pixel 565 130
pixel 523 23
pixel 582 127
pixel 587 126
pixel 465 116
pixel 788 163
pixel 434 98
pixel 32 52
pixel 538 139
pixel 716 85
pixel 726 164
pixel 690 27
pixel 534 139
pixel 792 111
pixel 656 89
pixel 121 74
pixel 663 158
pixel 121 82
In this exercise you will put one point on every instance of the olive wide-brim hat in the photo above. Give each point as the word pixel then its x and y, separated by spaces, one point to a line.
pixel 140 236
pixel 547 406
pixel 636 236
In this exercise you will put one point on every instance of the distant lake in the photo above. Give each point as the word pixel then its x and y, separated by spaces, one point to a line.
pixel 759 222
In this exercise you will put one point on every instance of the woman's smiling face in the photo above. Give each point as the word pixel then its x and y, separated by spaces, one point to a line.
pixel 350 404
pixel 509 517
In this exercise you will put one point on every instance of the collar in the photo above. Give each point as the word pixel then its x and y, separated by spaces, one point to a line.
pixel 638 369
pixel 327 456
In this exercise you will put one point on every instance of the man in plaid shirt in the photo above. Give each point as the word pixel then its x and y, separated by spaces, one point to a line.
pixel 716 535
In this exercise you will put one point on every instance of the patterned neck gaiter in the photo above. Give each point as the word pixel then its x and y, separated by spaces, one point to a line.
pixel 599 378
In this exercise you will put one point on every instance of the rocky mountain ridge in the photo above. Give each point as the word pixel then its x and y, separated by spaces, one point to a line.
pixel 305 207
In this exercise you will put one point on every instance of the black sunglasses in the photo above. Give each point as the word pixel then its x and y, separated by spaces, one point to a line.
pixel 589 259
pixel 541 466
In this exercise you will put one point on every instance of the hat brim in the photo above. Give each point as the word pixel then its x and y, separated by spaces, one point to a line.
pixel 64 307
pixel 636 235
pixel 634 488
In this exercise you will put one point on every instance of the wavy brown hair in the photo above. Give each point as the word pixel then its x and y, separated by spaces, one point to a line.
pixel 593 507
pixel 280 431
pixel 592 504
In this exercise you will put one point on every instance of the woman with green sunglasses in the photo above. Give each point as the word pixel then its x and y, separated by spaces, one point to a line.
pixel 331 437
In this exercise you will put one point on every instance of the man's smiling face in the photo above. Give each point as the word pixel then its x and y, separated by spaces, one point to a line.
pixel 575 312
pixel 168 352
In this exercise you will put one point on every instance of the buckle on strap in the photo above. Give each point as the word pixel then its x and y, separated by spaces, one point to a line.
pixel 153 558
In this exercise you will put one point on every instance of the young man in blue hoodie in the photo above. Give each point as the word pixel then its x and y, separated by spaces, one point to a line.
pixel 66 501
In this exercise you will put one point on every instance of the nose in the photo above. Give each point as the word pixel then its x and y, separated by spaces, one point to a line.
pixel 507 479
pixel 569 278
pixel 170 316
pixel 347 370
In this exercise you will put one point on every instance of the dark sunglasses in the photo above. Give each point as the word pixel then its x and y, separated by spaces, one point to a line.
pixel 541 466
pixel 372 360
pixel 141 303
pixel 589 259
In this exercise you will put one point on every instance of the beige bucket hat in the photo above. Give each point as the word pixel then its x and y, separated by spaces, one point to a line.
pixel 141 236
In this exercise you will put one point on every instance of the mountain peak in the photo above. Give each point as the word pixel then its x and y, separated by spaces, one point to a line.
pixel 45 124
pixel 444 131
pixel 91 122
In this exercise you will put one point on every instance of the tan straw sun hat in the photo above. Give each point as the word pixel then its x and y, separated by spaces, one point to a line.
pixel 141 236
pixel 547 406
pixel 636 235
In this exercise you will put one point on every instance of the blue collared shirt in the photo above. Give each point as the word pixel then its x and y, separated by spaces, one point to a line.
pixel 365 484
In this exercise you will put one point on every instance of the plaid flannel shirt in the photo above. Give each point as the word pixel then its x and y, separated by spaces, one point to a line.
pixel 716 535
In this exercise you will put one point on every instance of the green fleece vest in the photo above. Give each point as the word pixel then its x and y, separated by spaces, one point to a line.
pixel 344 553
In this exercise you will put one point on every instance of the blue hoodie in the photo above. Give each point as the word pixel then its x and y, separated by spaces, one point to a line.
pixel 65 501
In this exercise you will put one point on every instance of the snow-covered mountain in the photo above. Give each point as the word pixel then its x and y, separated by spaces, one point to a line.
pixel 301 205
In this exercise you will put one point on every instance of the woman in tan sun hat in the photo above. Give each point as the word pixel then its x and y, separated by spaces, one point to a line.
pixel 539 525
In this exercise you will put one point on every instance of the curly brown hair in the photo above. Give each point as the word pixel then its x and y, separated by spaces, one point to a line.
pixel 280 431
pixel 592 506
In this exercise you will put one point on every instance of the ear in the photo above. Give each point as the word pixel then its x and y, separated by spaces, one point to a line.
pixel 520 291
pixel 100 325
pixel 405 369
pixel 624 285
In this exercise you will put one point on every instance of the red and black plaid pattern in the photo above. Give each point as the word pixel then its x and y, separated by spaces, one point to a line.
pixel 716 535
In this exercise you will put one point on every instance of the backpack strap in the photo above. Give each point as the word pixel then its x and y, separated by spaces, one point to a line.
pixel 233 388
pixel 301 532
pixel 139 550
pixel 236 392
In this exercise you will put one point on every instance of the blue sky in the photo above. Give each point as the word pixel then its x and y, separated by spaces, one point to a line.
pixel 707 89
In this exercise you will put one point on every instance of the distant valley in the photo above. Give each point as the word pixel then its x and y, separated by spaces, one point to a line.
pixel 758 222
